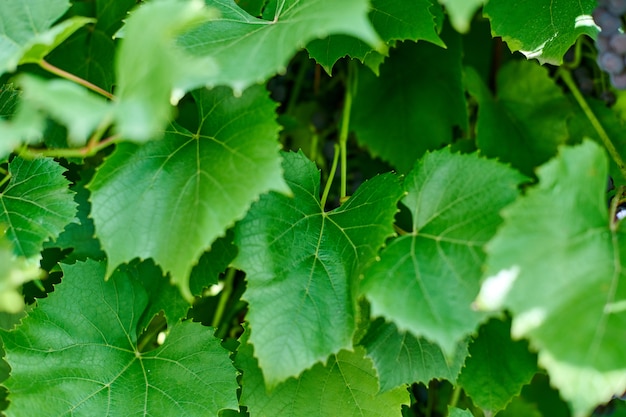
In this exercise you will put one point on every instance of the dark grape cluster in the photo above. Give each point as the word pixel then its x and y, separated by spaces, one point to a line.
pixel 611 41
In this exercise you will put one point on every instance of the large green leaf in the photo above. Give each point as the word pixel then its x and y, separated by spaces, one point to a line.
pixel 427 102
pixel 248 50
pixel 426 280
pixel 400 358
pixel 14 271
pixel 526 123
pixel 36 204
pixel 394 20
pixel 462 12
pixel 542 29
pixel 152 69
pixel 497 367
pixel 346 386
pixel 302 265
pixel 77 354
pixel 26 34
pixel 170 199
pixel 558 259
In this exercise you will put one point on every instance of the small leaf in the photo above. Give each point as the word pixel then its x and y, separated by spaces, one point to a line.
pixel 531 111
pixel 542 29
pixel 497 367
pixel 26 34
pixel 77 353
pixel 569 255
pixel 400 358
pixel 427 279
pixel 248 50
pixel 36 204
pixel 347 385
pixel 428 101
pixel 302 266
pixel 171 199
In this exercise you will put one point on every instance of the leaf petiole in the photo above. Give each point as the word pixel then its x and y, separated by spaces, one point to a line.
pixel 331 175
pixel 68 76
pixel 345 125
pixel 229 281
pixel 84 152
pixel 566 76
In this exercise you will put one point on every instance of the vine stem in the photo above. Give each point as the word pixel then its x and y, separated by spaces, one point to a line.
pixel 91 149
pixel 566 76
pixel 229 281
pixel 68 76
pixel 331 175
pixel 345 126
pixel 455 396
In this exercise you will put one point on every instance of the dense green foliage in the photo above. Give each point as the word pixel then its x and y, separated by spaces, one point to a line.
pixel 309 208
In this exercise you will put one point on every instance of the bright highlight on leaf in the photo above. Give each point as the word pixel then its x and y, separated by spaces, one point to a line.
pixel 570 260
pixel 542 29
pixel 427 279
pixel 303 265
pixel 170 199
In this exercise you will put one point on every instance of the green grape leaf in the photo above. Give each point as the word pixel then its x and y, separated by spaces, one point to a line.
pixel 161 294
pixel 497 367
pixel 428 101
pixel 302 265
pixel 462 12
pixel 248 50
pixel 558 259
pixel 530 111
pixel 26 34
pixel 14 271
pixel 346 386
pixel 426 280
pixel 36 204
pixel 400 358
pixel 394 20
pixel 67 103
pixel 170 199
pixel 77 353
pixel 542 29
